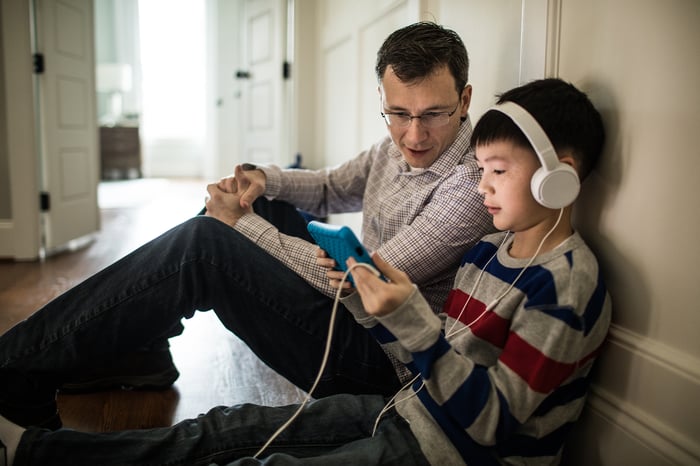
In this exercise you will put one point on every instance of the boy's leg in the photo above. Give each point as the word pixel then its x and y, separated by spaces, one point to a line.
pixel 201 264
pixel 333 431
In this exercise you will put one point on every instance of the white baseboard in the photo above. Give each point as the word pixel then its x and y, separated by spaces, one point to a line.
pixel 642 408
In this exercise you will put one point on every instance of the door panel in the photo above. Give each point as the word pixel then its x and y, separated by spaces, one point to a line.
pixel 67 119
pixel 263 96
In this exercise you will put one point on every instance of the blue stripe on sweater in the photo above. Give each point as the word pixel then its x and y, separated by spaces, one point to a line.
pixel 471 452
pixel 563 396
pixel 473 395
pixel 424 360
pixel 381 334
pixel 480 254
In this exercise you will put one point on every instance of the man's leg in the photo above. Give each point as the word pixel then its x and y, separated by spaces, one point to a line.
pixel 199 265
pixel 152 367
pixel 333 431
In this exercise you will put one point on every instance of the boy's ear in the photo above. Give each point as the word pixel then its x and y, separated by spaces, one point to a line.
pixel 569 160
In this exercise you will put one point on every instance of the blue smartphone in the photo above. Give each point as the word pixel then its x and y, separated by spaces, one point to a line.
pixel 340 243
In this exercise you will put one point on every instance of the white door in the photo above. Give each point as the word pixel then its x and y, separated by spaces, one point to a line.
pixel 263 127
pixel 67 120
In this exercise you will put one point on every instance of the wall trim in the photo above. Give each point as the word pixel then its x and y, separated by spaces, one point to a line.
pixel 646 429
pixel 551 61
pixel 6 238
pixel 680 363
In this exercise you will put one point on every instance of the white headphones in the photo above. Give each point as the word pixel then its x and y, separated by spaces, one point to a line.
pixel 554 185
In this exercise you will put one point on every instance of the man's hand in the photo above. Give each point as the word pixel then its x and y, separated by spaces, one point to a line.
pixel 334 276
pixel 249 183
pixel 379 297
pixel 224 205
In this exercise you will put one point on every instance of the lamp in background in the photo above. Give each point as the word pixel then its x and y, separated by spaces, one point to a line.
pixel 113 79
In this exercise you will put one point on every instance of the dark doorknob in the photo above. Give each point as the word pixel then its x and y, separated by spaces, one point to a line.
pixel 241 74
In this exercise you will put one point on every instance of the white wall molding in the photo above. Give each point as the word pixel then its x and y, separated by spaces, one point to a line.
pixel 551 64
pixel 644 428
pixel 6 238
pixel 683 364
pixel 643 389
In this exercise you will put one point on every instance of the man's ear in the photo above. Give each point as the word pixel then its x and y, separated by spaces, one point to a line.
pixel 466 100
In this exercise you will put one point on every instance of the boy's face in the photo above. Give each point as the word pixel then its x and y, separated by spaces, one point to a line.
pixel 505 184
pixel 420 145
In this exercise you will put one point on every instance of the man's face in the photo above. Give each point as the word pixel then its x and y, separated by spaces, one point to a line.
pixel 421 145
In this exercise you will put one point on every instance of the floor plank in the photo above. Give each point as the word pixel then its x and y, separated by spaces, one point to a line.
pixel 216 368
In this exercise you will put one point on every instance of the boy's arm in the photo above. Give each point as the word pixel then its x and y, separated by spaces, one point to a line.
pixel 540 354
pixel 541 350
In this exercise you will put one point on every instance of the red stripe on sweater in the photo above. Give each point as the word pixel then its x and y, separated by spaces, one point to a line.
pixel 541 373
pixel 490 327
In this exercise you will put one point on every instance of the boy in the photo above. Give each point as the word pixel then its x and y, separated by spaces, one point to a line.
pixel 499 377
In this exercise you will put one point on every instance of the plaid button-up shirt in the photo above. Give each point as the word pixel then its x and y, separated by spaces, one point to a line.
pixel 421 222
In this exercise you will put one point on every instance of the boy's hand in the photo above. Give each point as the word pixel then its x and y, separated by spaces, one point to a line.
pixel 379 297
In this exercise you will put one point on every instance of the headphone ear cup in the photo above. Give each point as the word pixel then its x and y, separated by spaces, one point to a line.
pixel 556 188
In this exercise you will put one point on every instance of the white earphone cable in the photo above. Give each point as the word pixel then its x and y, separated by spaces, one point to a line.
pixel 324 360
pixel 495 302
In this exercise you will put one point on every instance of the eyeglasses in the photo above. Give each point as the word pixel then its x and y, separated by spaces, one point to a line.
pixel 427 120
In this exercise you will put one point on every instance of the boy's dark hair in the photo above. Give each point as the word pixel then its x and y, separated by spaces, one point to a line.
pixel 416 51
pixel 564 113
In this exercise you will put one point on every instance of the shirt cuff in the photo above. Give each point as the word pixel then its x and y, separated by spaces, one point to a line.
pixel 273 180
pixel 413 323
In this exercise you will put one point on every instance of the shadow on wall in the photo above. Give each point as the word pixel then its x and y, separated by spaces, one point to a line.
pixel 619 271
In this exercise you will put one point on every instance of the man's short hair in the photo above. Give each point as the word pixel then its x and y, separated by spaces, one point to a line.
pixel 416 51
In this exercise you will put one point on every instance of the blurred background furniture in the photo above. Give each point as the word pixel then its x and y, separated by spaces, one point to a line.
pixel 120 152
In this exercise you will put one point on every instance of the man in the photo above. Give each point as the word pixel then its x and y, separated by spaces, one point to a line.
pixel 417 190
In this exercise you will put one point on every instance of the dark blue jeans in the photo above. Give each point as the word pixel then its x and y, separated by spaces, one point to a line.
pixel 201 264
pixel 331 431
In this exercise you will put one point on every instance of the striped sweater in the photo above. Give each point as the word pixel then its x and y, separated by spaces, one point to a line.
pixel 501 385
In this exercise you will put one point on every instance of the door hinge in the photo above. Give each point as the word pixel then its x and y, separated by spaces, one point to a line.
pixel 286 70
pixel 38 63
pixel 44 201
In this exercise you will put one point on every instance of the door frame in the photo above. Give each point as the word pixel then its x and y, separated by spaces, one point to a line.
pixel 20 236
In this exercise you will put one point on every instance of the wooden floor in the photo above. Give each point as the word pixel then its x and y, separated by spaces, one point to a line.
pixel 216 368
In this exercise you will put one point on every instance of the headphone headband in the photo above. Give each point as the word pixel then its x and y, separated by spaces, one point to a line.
pixel 533 132
pixel 556 184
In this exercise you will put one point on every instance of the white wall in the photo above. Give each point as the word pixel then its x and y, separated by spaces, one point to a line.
pixel 639 62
